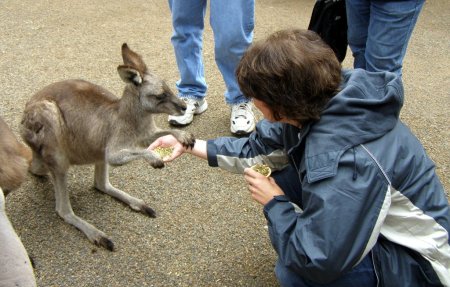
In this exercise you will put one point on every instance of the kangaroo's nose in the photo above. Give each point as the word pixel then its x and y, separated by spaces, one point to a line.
pixel 183 106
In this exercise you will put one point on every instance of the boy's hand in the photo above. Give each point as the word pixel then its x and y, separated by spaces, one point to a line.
pixel 168 141
pixel 263 189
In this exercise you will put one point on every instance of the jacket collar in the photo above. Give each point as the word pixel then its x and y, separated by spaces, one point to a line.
pixel 366 108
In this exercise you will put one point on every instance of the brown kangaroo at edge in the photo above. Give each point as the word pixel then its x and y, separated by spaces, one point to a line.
pixel 75 122
pixel 15 159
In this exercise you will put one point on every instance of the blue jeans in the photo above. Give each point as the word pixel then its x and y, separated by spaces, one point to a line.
pixel 362 274
pixel 379 32
pixel 232 22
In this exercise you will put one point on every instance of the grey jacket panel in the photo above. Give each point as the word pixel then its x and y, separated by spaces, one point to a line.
pixel 263 146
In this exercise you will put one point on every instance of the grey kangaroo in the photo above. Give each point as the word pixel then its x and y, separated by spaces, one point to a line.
pixel 75 122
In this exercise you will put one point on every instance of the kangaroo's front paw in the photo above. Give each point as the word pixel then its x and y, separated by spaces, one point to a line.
pixel 186 139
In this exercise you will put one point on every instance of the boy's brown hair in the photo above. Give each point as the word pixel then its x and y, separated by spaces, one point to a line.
pixel 292 71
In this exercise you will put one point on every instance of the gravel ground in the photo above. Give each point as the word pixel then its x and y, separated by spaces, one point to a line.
pixel 209 232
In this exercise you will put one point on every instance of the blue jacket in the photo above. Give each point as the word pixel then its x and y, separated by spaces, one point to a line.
pixel 367 185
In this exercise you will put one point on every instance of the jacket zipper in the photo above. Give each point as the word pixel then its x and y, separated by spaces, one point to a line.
pixel 293 160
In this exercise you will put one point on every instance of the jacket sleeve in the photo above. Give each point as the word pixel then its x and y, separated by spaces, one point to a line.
pixel 264 145
pixel 340 216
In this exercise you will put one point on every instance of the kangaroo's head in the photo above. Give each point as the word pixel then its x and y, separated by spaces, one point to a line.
pixel 154 94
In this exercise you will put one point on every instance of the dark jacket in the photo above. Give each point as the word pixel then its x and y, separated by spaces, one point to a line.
pixel 367 185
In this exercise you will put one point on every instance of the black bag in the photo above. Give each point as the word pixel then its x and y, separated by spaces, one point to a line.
pixel 329 20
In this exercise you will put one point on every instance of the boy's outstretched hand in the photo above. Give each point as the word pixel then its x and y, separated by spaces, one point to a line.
pixel 168 141
pixel 263 189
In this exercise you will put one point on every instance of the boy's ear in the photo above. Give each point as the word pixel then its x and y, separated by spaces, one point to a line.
pixel 129 75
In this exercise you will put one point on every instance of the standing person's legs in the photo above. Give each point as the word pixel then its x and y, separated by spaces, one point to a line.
pixel 188 24
pixel 232 22
pixel 390 28
pixel 358 16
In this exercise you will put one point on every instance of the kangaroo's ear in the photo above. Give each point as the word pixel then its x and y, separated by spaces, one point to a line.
pixel 133 59
pixel 129 75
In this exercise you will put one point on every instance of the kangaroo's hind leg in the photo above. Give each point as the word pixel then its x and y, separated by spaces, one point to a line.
pixel 64 209
pixel 102 183
pixel 37 166
pixel 58 167
pixel 43 130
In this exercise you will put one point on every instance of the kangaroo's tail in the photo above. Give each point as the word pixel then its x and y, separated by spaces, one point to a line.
pixel 42 124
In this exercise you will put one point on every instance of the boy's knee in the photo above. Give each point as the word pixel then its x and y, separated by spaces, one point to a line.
pixel 287 278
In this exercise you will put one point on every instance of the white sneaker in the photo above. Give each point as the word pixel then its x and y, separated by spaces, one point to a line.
pixel 193 107
pixel 242 119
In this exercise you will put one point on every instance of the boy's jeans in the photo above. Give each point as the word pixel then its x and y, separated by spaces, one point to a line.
pixel 232 22
pixel 379 32
pixel 361 275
